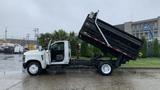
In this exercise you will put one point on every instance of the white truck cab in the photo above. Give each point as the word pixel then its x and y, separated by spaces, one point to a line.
pixel 58 53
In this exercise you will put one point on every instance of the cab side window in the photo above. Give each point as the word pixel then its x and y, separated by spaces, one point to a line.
pixel 58 46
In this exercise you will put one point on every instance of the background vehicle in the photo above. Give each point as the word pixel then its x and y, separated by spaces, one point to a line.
pixel 96 32
pixel 18 49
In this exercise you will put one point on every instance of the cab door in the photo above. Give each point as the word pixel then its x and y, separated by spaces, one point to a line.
pixel 57 52
pixel 48 54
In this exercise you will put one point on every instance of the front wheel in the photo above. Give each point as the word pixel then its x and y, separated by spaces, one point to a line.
pixel 105 69
pixel 34 68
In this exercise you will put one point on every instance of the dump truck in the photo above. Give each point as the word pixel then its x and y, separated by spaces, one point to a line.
pixel 109 39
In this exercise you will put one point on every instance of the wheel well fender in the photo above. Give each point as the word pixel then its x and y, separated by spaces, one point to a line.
pixel 28 62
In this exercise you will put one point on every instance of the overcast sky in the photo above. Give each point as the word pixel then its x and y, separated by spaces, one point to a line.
pixel 22 16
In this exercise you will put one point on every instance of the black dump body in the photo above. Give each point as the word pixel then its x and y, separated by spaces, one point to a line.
pixel 121 43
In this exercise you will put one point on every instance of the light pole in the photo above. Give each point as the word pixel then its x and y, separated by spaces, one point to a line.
pixel 149 30
pixel 28 35
pixel 36 31
pixel 5 38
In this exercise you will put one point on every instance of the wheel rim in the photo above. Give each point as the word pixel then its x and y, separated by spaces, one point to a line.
pixel 106 69
pixel 33 69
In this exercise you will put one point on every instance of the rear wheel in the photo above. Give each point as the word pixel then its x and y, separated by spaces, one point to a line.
pixel 34 68
pixel 105 69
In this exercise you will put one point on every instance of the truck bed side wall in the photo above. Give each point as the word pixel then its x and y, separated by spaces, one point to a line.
pixel 121 42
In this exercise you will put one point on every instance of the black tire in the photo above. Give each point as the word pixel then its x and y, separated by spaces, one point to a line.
pixel 105 68
pixel 34 65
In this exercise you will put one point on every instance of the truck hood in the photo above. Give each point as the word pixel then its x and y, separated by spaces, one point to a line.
pixel 33 52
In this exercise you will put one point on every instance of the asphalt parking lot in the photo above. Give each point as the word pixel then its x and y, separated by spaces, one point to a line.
pixel 13 78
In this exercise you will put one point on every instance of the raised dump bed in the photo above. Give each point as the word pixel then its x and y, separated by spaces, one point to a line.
pixel 109 38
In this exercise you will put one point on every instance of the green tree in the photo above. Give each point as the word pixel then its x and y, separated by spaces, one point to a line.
pixel 90 50
pixel 96 51
pixel 74 41
pixel 56 35
pixel 87 50
pixel 155 48
pixel 144 48
pixel 84 49
pixel 44 39
pixel 60 35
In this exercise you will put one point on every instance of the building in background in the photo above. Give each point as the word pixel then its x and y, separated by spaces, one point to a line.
pixel 30 44
pixel 21 41
pixel 149 28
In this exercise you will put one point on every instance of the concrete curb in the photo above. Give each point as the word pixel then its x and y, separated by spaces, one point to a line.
pixel 139 68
